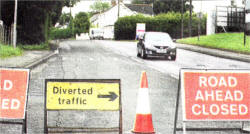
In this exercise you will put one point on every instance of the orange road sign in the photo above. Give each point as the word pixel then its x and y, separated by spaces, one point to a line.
pixel 215 95
pixel 13 93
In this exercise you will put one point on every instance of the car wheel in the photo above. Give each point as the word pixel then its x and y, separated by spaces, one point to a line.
pixel 173 57
pixel 138 54
pixel 143 54
pixel 138 51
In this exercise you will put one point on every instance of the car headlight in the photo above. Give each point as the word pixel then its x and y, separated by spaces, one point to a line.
pixel 149 46
pixel 172 46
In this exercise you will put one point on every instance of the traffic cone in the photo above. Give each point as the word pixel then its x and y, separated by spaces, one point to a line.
pixel 143 122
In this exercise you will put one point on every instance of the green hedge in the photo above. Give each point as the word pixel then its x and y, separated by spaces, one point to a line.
pixel 56 33
pixel 125 27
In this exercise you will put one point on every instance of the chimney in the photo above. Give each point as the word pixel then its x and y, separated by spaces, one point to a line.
pixel 113 3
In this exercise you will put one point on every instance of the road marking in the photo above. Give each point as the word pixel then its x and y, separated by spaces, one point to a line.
pixel 115 59
pixel 174 76
pixel 136 59
pixel 155 68
pixel 91 59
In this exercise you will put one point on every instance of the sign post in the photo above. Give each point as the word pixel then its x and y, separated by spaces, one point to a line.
pixel 140 29
pixel 247 20
pixel 101 95
pixel 13 95
pixel 215 95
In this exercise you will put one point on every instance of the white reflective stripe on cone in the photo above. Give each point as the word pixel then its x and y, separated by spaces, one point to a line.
pixel 143 106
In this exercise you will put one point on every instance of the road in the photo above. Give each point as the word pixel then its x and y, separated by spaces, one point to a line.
pixel 117 60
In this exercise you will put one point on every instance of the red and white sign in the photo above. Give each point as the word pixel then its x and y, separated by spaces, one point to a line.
pixel 140 29
pixel 215 95
pixel 13 93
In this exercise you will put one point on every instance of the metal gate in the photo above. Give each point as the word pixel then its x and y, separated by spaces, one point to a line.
pixel 229 18
pixel 6 34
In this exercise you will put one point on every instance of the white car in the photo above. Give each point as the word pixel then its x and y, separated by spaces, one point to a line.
pixel 96 33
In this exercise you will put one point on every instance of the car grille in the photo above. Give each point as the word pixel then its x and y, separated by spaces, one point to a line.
pixel 162 47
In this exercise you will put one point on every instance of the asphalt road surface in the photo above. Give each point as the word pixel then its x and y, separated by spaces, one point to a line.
pixel 117 60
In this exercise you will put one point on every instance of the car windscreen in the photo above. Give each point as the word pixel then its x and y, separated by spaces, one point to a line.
pixel 157 37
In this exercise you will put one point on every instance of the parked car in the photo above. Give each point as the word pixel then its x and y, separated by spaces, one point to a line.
pixel 96 33
pixel 156 44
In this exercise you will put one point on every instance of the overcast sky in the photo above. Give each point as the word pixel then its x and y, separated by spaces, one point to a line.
pixel 83 6
pixel 204 6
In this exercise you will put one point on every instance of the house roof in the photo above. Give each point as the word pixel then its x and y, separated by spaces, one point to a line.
pixel 141 8
pixel 94 17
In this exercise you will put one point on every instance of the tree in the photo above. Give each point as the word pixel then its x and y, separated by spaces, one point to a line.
pixel 81 23
pixel 161 6
pixel 64 19
pixel 99 6
pixel 164 6
pixel 142 1
pixel 31 18
pixel 70 3
pixel 34 18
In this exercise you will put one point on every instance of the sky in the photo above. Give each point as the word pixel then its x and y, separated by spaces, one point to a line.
pixel 204 6
pixel 83 6
pixel 208 5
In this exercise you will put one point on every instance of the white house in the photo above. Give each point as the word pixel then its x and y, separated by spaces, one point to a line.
pixel 107 19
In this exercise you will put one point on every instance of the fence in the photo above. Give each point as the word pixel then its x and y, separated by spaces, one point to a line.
pixel 6 34
pixel 230 18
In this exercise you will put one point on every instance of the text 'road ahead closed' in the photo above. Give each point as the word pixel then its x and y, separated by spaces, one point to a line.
pixel 215 95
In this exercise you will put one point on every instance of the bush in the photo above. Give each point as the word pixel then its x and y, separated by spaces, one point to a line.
pixel 125 27
pixel 81 23
pixel 56 33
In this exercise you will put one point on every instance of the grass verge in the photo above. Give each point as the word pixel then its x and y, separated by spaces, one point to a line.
pixel 43 46
pixel 8 51
pixel 223 41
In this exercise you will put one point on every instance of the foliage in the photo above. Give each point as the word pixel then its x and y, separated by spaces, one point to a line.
pixel 56 33
pixel 142 1
pixel 70 3
pixel 125 27
pixel 31 19
pixel 223 41
pixel 43 46
pixel 81 23
pixel 8 51
pixel 99 6
pixel 164 6
pixel 34 18
pixel 64 19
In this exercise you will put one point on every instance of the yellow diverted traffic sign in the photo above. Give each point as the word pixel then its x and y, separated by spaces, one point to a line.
pixel 82 95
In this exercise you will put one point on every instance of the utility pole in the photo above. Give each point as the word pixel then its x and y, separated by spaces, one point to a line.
pixel 245 26
pixel 118 9
pixel 190 18
pixel 15 22
pixel 0 10
pixel 199 25
pixel 182 19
